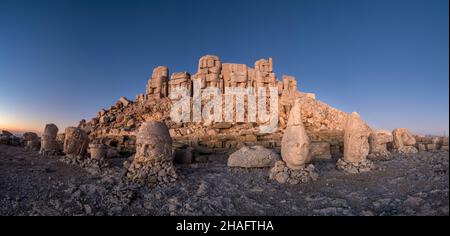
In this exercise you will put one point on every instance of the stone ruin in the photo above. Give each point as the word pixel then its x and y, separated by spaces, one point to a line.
pixel 116 127
pixel 308 129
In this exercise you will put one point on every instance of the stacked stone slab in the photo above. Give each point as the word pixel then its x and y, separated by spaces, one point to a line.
pixel 158 84
pixel 356 146
pixel 49 144
pixel 152 163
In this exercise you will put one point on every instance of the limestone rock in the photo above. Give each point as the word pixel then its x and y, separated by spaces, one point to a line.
pixel 402 137
pixel 407 150
pixel 295 142
pixel 49 145
pixel 283 174
pixel 356 139
pixel 320 151
pixel 378 144
pixel 253 157
pixel 355 167
pixel 76 142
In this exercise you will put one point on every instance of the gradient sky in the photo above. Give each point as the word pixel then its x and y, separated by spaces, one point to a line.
pixel 61 61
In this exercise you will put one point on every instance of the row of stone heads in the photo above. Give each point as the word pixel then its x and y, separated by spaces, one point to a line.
pixel 73 142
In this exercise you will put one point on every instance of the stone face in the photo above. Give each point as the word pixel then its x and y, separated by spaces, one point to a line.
pixel 76 142
pixel 320 151
pixel 378 144
pixel 32 141
pixel 253 157
pixel 295 142
pixel 49 145
pixel 356 139
pixel 355 167
pixel 153 142
pixel 152 163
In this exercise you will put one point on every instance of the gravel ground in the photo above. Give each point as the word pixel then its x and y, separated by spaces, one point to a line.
pixel 34 185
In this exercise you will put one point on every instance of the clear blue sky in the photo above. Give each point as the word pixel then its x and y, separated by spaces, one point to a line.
pixel 61 61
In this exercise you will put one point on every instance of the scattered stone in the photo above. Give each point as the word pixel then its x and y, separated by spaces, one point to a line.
pixel 253 157
pixel 355 167
pixel 283 174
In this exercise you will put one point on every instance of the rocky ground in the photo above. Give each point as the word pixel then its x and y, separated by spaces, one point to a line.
pixel 35 185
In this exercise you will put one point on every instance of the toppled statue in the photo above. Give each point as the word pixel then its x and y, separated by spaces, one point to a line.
pixel 378 145
pixel 404 141
pixel 295 152
pixel 356 146
pixel 75 143
pixel 152 163
pixel 49 145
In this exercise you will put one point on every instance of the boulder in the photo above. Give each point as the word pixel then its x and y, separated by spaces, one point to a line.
pixel 253 157
pixel 402 137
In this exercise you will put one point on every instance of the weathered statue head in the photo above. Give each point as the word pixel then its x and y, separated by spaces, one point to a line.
pixel 153 142
pixel 76 141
